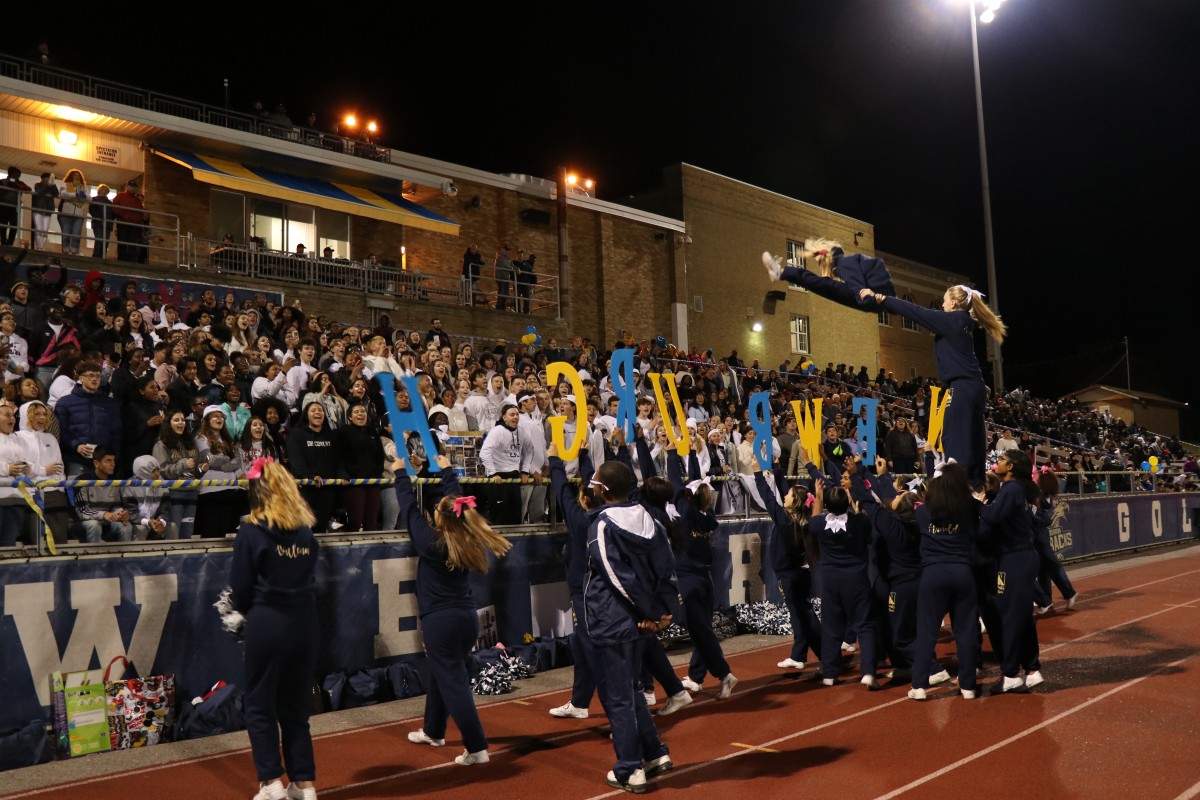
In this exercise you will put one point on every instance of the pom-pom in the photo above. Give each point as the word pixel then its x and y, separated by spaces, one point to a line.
pixel 673 631
pixel 492 679
pixel 724 625
pixel 232 621
pixel 763 618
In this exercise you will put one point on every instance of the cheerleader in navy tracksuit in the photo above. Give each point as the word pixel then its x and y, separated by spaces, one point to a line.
pixel 457 543
pixel 272 577
pixel 964 433
pixel 842 536
pixel 792 572
pixel 949 525
pixel 841 276
pixel 576 511
pixel 1050 568
pixel 1009 521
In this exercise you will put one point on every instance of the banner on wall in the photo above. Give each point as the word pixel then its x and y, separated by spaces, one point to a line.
pixel 67 614
pixel 181 294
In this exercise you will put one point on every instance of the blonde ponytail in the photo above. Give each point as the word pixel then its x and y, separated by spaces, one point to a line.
pixel 275 502
pixel 820 251
pixel 966 298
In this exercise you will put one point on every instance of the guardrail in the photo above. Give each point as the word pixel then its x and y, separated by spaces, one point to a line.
pixel 229 258
pixel 111 91
pixel 159 234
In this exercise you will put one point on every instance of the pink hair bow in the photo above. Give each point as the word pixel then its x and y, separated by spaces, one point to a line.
pixel 1046 469
pixel 256 469
pixel 808 501
pixel 463 502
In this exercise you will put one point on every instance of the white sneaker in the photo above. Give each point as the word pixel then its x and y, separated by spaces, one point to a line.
pixel 939 677
pixel 1072 600
pixel 774 265
pixel 419 736
pixel 1012 685
pixel 658 766
pixel 271 791
pixel 790 663
pixel 916 694
pixel 467 759
pixel 675 702
pixel 982 627
pixel 690 685
pixel 847 647
pixel 650 698
pixel 828 681
pixel 727 684
pixel 568 710
pixel 968 694
pixel 869 682
pixel 1043 610
pixel 635 784
pixel 294 792
pixel 1033 679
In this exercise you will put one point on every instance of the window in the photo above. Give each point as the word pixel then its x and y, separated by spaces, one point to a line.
pixel 793 257
pixel 798 326
pixel 282 226
pixel 906 323
pixel 333 230
pixel 885 318
pixel 227 215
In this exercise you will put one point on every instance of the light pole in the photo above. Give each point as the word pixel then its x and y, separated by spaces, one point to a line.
pixel 988 15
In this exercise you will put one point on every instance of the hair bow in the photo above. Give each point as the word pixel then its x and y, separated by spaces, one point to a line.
pixel 915 484
pixel 256 469
pixel 972 294
pixel 672 512
pixel 808 501
pixel 1046 469
pixel 836 522
pixel 939 465
pixel 694 485
pixel 463 502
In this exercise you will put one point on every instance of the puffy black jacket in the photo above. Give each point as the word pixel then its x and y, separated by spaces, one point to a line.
pixel 88 418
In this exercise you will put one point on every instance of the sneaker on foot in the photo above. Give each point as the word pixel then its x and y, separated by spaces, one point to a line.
pixel 828 681
pixel 650 698
pixel 982 627
pixel 690 685
pixel 847 647
pixel 569 710
pixel 1010 685
pixel 636 782
pixel 774 265
pixel 939 677
pixel 790 663
pixel 869 682
pixel 419 736
pixel 675 702
pixel 916 694
pixel 467 759
pixel 294 792
pixel 1043 610
pixel 1072 600
pixel 968 694
pixel 1033 679
pixel 659 765
pixel 727 684
pixel 272 790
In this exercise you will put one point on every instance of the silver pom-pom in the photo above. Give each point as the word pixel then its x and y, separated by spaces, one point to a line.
pixel 492 679
pixel 764 618
pixel 232 621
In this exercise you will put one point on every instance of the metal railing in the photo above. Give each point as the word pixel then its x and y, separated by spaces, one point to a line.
pixel 228 258
pixel 132 242
pixel 110 91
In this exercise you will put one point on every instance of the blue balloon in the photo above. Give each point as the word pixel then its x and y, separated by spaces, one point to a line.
pixel 1145 466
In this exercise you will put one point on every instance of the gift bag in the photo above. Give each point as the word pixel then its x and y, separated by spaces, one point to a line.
pixel 141 711
pixel 77 708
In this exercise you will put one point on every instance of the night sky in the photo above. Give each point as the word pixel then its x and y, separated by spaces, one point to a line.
pixel 865 107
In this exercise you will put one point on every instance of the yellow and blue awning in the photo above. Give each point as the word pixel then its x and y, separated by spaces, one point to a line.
pixel 354 200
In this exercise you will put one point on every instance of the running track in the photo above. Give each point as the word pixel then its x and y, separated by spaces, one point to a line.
pixel 1119 716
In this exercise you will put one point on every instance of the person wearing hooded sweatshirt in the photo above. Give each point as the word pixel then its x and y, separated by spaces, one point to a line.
pixel 45 461
pixel 147 504
pixel 93 287
pixel 313 453
pixel 362 455
pixel 273 583
pixel 101 509
pixel 14 463
pixel 501 454
pixel 629 590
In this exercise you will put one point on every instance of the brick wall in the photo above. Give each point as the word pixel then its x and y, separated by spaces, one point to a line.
pixel 171 188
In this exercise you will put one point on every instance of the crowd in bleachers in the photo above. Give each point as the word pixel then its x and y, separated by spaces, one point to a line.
pixel 133 386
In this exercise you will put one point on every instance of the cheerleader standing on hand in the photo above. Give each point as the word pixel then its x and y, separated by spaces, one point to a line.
pixel 272 577
pixel 1008 520
pixel 964 432
pixel 457 543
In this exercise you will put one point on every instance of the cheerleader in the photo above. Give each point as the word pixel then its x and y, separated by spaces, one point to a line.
pixel 273 582
pixel 792 571
pixel 457 542
pixel 1050 568
pixel 949 525
pixel 842 536
pixel 964 433
pixel 1008 521
pixel 842 277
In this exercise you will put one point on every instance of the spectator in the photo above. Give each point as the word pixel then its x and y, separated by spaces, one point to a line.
pixel 183 389
pixel 10 198
pixel 144 414
pixel 45 192
pixel 57 338
pixel 45 461
pixel 15 461
pixel 101 212
pixel 17 363
pixel 101 509
pixel 256 442
pixel 504 278
pixel 322 390
pixel 129 213
pixel 177 457
pixel 313 453
pixel 901 448
pixel 87 420
pixel 471 269
pixel 147 505
pixel 300 374
pixel 363 457
pixel 237 413
pixel 223 505
pixel 72 208
pixel 501 455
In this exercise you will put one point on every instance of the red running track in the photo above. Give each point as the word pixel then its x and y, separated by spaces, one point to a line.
pixel 1118 716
